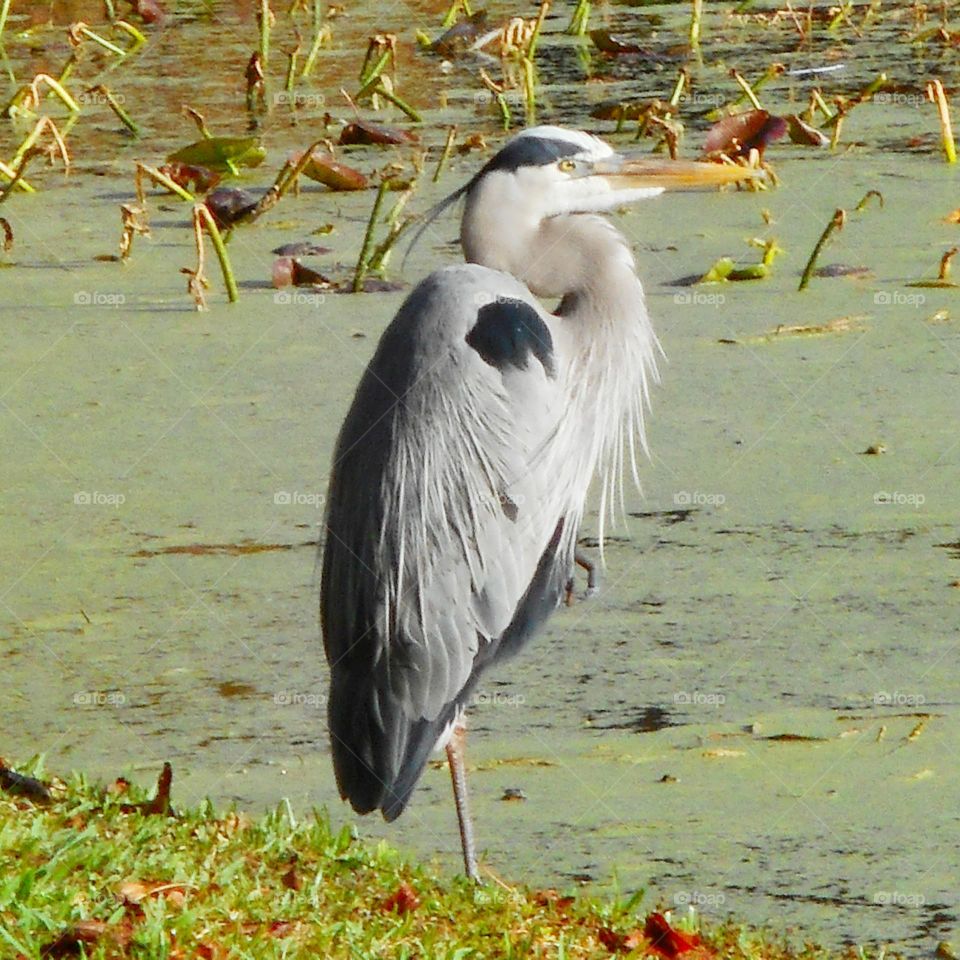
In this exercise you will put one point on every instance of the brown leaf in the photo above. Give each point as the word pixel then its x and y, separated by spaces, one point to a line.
pixel 133 892
pixel 185 174
pixel 71 941
pixel 403 900
pixel 619 942
pixel 331 173
pixel 740 133
pixel 801 132
pixel 363 132
pixel 161 801
pixel 150 11
pixel 291 879
pixel 22 785
pixel 606 42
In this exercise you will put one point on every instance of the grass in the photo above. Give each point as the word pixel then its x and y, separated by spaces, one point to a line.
pixel 105 868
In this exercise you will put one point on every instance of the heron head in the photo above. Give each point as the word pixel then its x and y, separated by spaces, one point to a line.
pixel 547 172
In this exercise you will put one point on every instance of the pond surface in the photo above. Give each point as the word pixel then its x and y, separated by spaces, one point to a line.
pixel 757 714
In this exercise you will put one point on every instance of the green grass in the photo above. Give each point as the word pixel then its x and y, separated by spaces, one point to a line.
pixel 88 861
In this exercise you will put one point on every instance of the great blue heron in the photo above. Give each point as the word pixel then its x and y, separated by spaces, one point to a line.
pixel 460 473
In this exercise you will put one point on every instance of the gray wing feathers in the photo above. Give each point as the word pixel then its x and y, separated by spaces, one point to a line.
pixel 441 504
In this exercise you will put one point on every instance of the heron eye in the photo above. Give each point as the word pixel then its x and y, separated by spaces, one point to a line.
pixel 567 166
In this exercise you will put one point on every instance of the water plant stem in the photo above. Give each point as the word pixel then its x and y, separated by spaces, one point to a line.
pixel 363 262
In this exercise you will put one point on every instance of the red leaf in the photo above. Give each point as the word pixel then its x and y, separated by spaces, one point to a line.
pixel 403 900
pixel 667 941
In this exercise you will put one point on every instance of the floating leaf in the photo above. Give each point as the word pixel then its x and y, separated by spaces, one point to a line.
pixel 606 42
pixel 461 36
pixel 149 11
pixel 801 132
pixel 331 173
pixel 302 248
pixel 230 205
pixel 740 133
pixel 363 132
pixel 221 153
pixel 185 174
pixel 288 271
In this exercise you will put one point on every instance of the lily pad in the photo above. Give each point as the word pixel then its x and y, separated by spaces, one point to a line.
pixel 221 153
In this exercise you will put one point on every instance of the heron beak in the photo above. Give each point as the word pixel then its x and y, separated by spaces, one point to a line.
pixel 628 173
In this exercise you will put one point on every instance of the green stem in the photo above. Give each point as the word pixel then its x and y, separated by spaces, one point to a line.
pixel 203 214
pixel 363 263
pixel 399 102
pixel 4 13
pixel 264 17
pixel 447 150
pixel 836 223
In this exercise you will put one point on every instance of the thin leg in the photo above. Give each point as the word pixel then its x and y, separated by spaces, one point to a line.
pixel 582 560
pixel 458 774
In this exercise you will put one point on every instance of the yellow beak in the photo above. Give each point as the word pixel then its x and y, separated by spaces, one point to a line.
pixel 630 173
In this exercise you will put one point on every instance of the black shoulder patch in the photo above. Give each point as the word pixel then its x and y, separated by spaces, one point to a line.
pixel 529 152
pixel 508 332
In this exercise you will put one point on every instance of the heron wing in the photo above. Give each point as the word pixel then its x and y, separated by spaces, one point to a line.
pixel 444 541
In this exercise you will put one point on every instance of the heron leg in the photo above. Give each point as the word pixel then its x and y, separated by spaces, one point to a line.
pixel 458 774
pixel 582 560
